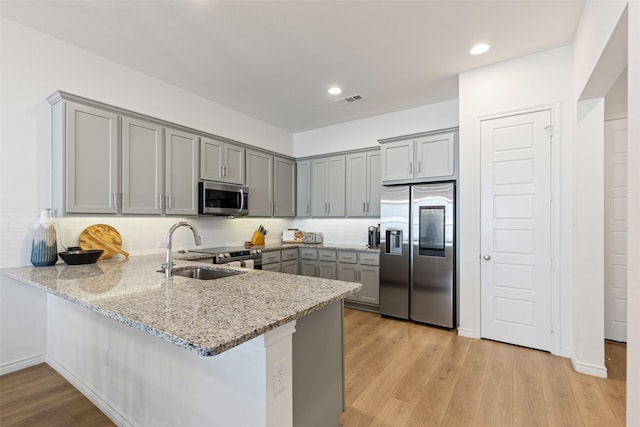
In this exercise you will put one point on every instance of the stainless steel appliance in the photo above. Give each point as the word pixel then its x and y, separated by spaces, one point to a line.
pixel 417 254
pixel 222 256
pixel 215 198
pixel 373 236
pixel 313 237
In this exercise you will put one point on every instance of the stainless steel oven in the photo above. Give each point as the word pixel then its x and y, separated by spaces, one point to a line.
pixel 216 198
pixel 248 258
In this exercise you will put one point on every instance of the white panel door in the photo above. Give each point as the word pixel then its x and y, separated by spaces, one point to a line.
pixel 615 230
pixel 516 229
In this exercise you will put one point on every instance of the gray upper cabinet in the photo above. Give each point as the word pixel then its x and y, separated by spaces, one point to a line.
pixel 90 146
pixel 284 189
pixel 363 184
pixel 221 161
pixel 435 155
pixel 142 167
pixel 303 189
pixel 397 161
pixel 260 183
pixel 420 158
pixel 181 177
pixel 328 176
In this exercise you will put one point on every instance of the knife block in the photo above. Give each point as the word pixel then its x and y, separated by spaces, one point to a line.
pixel 257 238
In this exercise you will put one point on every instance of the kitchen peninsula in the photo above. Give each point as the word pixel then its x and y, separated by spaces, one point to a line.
pixel 253 349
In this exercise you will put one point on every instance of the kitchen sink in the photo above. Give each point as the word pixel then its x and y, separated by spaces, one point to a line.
pixel 203 273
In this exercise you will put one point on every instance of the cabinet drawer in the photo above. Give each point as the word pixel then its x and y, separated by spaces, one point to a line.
pixel 275 267
pixel 308 253
pixel 369 258
pixel 348 257
pixel 289 254
pixel 290 267
pixel 271 256
pixel 326 255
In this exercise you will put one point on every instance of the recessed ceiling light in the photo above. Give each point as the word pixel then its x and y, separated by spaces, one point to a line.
pixel 479 49
pixel 335 90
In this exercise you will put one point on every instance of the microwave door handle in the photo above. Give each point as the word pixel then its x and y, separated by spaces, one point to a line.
pixel 241 195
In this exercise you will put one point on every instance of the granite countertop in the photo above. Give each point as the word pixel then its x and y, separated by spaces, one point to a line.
pixel 203 316
pixel 278 246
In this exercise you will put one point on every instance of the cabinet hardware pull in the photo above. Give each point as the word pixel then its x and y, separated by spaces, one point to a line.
pixel 221 171
pixel 419 166
pixel 168 202
pixel 115 200
pixel 329 210
pixel 364 206
pixel 308 208
pixel 367 206
pixel 410 168
pixel 226 170
pixel 158 201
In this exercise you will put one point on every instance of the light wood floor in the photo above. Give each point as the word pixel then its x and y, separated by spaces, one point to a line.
pixel 398 374
pixel 404 374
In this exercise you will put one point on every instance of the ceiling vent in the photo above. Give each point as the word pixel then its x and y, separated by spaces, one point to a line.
pixel 351 99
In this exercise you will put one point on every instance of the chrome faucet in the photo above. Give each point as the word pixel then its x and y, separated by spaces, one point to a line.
pixel 168 265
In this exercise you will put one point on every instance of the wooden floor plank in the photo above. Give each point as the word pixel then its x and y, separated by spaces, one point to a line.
pixel 398 374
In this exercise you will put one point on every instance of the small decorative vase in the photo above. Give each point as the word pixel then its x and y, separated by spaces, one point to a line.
pixel 44 249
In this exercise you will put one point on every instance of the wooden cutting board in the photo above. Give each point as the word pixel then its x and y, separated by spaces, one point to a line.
pixel 102 236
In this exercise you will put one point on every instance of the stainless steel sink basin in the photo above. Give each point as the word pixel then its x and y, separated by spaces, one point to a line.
pixel 204 273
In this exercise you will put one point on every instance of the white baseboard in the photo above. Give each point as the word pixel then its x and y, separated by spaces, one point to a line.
pixel 588 368
pixel 27 362
pixel 467 333
pixel 94 396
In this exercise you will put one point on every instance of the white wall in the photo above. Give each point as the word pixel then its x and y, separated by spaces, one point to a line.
pixel 542 79
pixel 365 133
pixel 633 231
pixel 588 240
pixel 32 67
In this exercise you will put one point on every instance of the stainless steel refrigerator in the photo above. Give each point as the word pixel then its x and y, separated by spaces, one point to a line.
pixel 417 252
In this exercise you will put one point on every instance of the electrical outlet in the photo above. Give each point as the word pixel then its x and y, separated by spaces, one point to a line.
pixel 279 377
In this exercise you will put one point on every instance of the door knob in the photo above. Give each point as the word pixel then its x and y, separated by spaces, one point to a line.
pixel 487 257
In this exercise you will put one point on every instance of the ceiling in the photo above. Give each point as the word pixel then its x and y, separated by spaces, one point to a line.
pixel 275 60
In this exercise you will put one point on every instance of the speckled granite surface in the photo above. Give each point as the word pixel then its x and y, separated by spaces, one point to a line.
pixel 278 246
pixel 203 316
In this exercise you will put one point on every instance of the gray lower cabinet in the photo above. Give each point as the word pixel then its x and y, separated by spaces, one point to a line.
pixel 290 267
pixel 275 267
pixel 260 183
pixel 84 158
pixel 327 270
pixel 142 167
pixel 309 268
pixel 284 188
pixel 181 172
pixel 361 267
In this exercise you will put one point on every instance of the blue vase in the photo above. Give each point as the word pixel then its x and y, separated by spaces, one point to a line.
pixel 44 249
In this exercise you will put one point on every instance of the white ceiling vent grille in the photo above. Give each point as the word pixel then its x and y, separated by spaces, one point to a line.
pixel 351 99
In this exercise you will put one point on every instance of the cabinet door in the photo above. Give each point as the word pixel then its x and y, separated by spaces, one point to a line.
pixel 211 159
pixel 356 184
pixel 92 160
pixel 309 268
pixel 284 190
pixel 373 184
pixel 335 195
pixel 370 279
pixel 181 177
pixel 142 167
pixel 319 176
pixel 275 267
pixel 259 173
pixel 327 270
pixel 348 272
pixel 303 189
pixel 290 267
pixel 435 155
pixel 397 160
pixel 234 164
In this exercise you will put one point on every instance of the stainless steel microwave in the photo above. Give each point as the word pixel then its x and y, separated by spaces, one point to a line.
pixel 216 198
